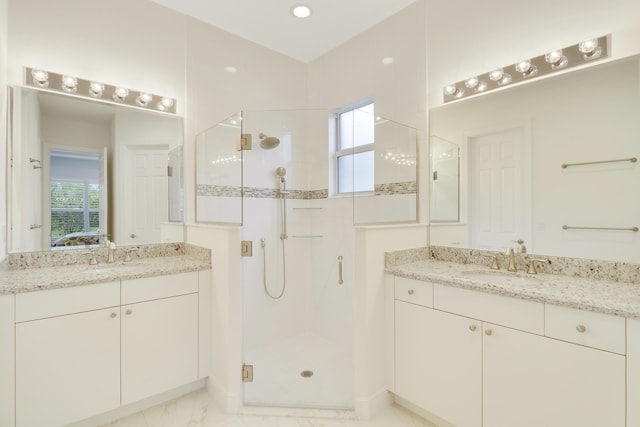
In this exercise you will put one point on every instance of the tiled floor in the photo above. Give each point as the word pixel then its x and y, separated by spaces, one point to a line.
pixel 198 410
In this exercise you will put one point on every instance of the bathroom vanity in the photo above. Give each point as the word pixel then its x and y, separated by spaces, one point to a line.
pixel 89 339
pixel 472 346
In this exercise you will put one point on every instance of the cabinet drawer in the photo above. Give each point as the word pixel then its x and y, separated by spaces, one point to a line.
pixel 414 291
pixel 150 288
pixel 506 311
pixel 58 302
pixel 598 330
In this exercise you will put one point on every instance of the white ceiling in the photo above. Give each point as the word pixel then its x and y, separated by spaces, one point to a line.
pixel 271 24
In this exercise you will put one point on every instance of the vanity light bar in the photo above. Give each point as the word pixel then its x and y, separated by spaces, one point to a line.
pixel 82 88
pixel 556 60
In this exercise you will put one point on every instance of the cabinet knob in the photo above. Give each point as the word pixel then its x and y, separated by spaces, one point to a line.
pixel 129 311
pixel 488 332
pixel 112 315
pixel 410 291
pixel 472 328
pixel 581 328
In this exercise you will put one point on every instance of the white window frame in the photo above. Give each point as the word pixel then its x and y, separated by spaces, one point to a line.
pixel 340 152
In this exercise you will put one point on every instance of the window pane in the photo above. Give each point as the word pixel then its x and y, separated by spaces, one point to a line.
pixel 346 130
pixel 356 172
pixel 67 195
pixel 363 126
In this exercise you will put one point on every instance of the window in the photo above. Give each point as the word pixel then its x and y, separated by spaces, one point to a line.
pixel 355 149
pixel 74 208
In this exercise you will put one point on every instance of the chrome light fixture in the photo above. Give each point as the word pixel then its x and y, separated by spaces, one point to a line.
pixel 75 86
pixel 528 69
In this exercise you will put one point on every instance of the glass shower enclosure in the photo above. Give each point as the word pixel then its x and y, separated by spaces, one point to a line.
pixel 274 173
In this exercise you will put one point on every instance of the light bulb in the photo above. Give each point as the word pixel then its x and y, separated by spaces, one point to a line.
pixel 471 82
pixel 143 99
pixel 69 84
pixel 496 75
pixel 40 78
pixel 167 102
pixel 96 89
pixel 451 90
pixel 590 49
pixel 556 59
pixel 120 94
pixel 526 68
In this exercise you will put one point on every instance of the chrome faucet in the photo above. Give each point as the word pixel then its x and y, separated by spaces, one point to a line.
pixel 510 254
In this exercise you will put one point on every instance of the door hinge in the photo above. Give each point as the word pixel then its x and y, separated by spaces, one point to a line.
pixel 247 373
pixel 245 141
pixel 246 248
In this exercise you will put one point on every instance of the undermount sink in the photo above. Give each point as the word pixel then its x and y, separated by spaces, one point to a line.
pixel 500 277
pixel 102 268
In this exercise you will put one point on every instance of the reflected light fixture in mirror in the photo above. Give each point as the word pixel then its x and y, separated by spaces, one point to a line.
pixel 82 88
pixel 554 60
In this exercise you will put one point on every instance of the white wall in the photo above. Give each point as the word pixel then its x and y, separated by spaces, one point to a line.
pixel 474 37
pixel 4 25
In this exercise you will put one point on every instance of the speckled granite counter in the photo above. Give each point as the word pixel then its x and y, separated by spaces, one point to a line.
pixel 159 262
pixel 618 298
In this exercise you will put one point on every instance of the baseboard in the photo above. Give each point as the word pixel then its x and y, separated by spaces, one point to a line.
pixel 132 408
pixel 433 419
pixel 368 407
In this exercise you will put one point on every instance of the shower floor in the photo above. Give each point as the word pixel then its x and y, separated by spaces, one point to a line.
pixel 278 369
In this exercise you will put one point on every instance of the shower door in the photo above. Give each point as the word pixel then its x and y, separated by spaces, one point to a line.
pixel 297 284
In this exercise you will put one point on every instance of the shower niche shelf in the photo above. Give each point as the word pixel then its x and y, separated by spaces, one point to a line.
pixel 307 236
pixel 306 209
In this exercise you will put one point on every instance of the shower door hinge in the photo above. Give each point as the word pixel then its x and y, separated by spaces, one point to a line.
pixel 247 373
pixel 246 248
pixel 245 141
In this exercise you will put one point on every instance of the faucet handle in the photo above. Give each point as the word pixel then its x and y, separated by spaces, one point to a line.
pixel 127 257
pixel 522 249
pixel 532 269
pixel 494 264
pixel 93 260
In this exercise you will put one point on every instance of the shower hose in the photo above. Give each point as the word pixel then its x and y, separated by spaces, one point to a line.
pixel 283 237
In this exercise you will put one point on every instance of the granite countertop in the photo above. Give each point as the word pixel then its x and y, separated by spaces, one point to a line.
pixel 36 279
pixel 617 298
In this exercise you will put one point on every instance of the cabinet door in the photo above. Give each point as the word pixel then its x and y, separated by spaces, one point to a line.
pixel 67 368
pixel 529 380
pixel 438 363
pixel 159 346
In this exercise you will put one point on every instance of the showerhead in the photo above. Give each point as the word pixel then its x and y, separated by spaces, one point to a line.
pixel 268 142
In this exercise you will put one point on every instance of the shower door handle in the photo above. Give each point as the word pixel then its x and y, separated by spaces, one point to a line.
pixel 340 281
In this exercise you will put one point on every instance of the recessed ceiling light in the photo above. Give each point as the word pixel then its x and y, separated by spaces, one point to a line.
pixel 388 60
pixel 231 69
pixel 301 11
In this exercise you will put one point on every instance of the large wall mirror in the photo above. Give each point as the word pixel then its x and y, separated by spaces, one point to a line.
pixel 82 171
pixel 551 162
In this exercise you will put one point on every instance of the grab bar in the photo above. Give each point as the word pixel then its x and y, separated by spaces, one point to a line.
pixel 340 281
pixel 634 229
pixel 632 160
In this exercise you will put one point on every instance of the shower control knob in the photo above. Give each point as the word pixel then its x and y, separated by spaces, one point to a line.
pixel 133 236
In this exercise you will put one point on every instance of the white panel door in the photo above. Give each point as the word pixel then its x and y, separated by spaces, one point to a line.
pixel 159 346
pixel 438 363
pixel 498 209
pixel 533 381
pixel 145 194
pixel 67 368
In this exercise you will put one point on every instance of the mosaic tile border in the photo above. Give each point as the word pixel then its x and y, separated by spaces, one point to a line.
pixel 394 188
pixel 574 267
pixel 389 189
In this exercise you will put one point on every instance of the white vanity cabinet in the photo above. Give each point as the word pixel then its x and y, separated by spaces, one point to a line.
pixel 67 364
pixel 85 350
pixel 477 359
pixel 438 356
pixel 159 334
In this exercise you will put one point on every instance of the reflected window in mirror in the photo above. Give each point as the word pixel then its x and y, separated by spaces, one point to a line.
pixel 445 183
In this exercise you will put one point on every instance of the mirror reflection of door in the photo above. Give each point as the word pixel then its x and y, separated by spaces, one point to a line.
pixel 77 189
pixel 146 195
pixel 498 187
